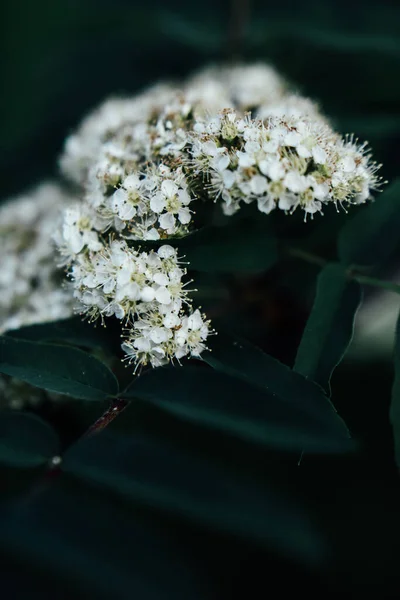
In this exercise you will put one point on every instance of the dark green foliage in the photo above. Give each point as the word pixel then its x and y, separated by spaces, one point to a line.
pixel 57 368
pixel 74 331
pixel 226 249
pixel 371 235
pixel 91 544
pixel 395 404
pixel 329 328
pixel 26 440
pixel 272 415
pixel 213 496
pixel 234 474
pixel 285 388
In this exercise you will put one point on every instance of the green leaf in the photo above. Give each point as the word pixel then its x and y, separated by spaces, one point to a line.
pixel 245 247
pixel 25 440
pixel 395 404
pixel 267 406
pixel 92 546
pixel 329 328
pixel 60 369
pixel 301 400
pixel 372 234
pixel 73 331
pixel 181 482
pixel 230 249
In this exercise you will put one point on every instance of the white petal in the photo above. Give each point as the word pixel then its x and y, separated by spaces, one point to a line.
pixel 119 197
pixel 109 285
pixel 147 294
pixel 167 221
pixel 161 279
pixel 157 203
pixel 222 162
pixel 321 191
pixel 171 320
pixel 169 188
pixel 184 216
pixel 292 139
pixel 258 185
pixel 319 155
pixel 152 234
pixel 131 183
pixel 118 311
pixel 274 169
pixel 142 344
pixel 295 182
pixel 184 197
pixel 181 336
pixel 347 164
pixel 159 335
pixel 265 204
pixel 286 202
pixel 163 296
pixel 313 207
pixel 303 151
pixel 166 251
pixel 181 351
pixel 132 291
pixel 195 321
pixel 245 160
pixel 228 178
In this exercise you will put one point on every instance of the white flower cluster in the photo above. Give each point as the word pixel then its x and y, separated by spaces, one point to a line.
pixel 81 148
pixel 146 289
pixel 231 134
pixel 281 162
pixel 31 289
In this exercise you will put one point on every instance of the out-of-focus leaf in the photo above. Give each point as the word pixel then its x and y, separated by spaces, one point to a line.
pixel 93 546
pixel 375 125
pixel 184 484
pixel 373 233
pixel 273 415
pixel 395 404
pixel 56 368
pixel 230 249
pixel 73 331
pixel 300 401
pixel 329 328
pixel 26 441
pixel 247 248
pixel 323 37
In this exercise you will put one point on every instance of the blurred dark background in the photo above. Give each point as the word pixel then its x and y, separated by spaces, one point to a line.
pixel 61 58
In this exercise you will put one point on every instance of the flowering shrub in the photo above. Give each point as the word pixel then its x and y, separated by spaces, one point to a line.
pixel 110 280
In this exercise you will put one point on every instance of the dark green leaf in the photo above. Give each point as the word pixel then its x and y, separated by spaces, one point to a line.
pixel 25 440
pixel 230 249
pixel 56 368
pixel 272 414
pixel 93 546
pixel 395 404
pixel 240 248
pixel 373 233
pixel 73 331
pixel 186 485
pixel 287 390
pixel 329 328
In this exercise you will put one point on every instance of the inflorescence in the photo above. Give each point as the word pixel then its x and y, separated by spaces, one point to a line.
pixel 140 167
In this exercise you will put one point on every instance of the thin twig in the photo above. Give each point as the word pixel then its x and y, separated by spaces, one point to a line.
pixel 115 409
pixel 351 273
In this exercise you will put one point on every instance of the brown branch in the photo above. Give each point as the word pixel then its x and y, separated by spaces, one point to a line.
pixel 115 409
